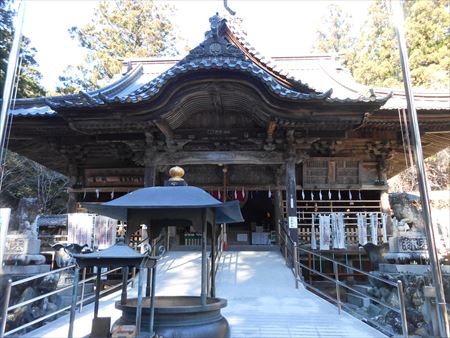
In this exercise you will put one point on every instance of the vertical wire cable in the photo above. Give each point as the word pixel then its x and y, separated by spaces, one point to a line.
pixel 404 144
pixel 9 81
pixel 408 142
pixel 9 120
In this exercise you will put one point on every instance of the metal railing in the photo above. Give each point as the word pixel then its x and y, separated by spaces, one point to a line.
pixel 10 284
pixel 291 253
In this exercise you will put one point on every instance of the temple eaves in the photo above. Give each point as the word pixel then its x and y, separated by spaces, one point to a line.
pixel 223 50
pixel 226 50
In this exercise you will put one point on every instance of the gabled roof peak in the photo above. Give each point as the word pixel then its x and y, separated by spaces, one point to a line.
pixel 215 44
pixel 225 41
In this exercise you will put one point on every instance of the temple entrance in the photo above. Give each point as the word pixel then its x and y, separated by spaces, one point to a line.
pixel 257 230
pixel 259 227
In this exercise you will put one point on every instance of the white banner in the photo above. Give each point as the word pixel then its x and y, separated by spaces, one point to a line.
pixel 79 228
pixel 362 228
pixel 374 227
pixel 338 229
pixel 384 225
pixel 105 231
pixel 313 232
pixel 324 232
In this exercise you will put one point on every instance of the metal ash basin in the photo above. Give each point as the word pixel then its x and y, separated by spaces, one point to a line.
pixel 179 316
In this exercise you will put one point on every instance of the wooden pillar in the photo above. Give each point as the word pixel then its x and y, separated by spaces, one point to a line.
pixel 73 178
pixel 291 199
pixel 278 199
pixel 149 175
pixel 72 203
pixel 278 215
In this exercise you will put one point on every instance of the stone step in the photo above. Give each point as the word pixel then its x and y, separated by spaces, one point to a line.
pixel 358 300
pixel 363 288
pixel 88 289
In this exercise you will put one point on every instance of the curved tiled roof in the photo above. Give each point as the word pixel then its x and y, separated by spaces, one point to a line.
pixel 52 221
pixel 225 48
pixel 215 53
pixel 423 100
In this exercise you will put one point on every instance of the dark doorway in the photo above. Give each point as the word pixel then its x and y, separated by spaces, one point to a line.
pixel 258 212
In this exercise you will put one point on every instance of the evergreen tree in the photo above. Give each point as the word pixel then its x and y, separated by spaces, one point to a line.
pixel 428 40
pixel 119 29
pixel 74 79
pixel 334 34
pixel 29 80
pixel 376 60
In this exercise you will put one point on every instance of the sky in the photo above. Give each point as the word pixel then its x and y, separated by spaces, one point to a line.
pixel 275 28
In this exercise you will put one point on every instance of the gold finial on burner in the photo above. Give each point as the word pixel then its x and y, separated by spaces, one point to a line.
pixel 176 174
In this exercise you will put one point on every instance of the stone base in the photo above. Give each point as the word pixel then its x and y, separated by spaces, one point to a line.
pixel 404 257
pixel 358 300
pixel 24 259
pixel 25 269
pixel 415 269
pixel 22 244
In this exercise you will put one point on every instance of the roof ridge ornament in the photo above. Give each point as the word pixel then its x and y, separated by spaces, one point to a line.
pixel 214 23
pixel 215 44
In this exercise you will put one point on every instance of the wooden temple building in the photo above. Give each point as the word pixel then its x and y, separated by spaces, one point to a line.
pixel 287 136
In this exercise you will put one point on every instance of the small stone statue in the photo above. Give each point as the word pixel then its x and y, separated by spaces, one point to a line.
pixel 406 213
pixel 24 220
pixel 409 242
pixel 22 246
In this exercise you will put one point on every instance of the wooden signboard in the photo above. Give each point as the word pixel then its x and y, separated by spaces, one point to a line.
pixel 114 177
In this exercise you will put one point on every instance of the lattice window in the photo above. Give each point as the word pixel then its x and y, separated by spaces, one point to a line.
pixel 331 173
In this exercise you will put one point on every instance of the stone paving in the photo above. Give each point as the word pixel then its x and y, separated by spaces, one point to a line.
pixel 262 299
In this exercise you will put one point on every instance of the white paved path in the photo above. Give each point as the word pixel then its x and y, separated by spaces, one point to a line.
pixel 262 299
